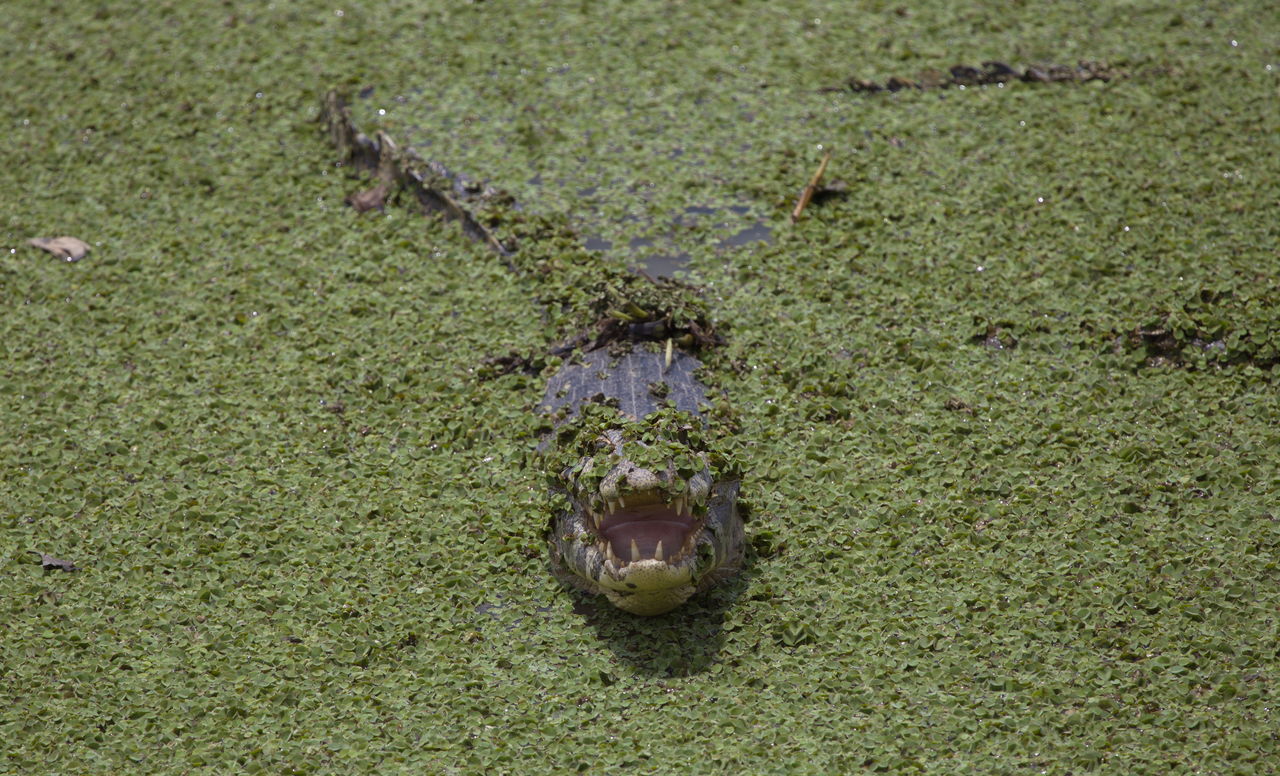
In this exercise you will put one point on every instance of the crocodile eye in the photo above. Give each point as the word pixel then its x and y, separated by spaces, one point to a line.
pixel 602 444
pixel 706 557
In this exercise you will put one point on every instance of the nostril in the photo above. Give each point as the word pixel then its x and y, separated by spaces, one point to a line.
pixel 642 479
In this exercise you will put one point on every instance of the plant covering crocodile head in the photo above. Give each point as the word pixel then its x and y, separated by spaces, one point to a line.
pixel 647 522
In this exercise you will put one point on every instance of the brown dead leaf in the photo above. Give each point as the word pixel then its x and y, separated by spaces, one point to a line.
pixel 364 201
pixel 49 563
pixel 66 248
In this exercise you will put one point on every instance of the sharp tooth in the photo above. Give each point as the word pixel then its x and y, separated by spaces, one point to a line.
pixel 608 553
pixel 610 506
pixel 621 504
pixel 657 551
pixel 635 551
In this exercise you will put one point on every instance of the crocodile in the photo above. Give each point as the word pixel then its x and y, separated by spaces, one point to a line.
pixel 643 519
pixel 644 511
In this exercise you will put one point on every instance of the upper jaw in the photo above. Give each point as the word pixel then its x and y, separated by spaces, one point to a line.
pixel 641 515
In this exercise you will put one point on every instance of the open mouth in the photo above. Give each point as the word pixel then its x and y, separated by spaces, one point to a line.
pixel 643 527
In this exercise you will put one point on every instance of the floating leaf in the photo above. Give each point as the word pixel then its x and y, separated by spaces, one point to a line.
pixel 67 248
pixel 369 199
pixel 50 563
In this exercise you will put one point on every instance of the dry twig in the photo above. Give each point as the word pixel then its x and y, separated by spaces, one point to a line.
pixel 811 189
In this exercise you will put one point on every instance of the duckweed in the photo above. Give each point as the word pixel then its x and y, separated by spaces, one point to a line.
pixel 306 519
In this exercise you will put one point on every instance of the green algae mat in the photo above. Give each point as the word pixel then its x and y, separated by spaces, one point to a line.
pixel 1005 395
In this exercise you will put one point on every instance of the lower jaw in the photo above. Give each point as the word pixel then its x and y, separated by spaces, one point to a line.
pixel 650 602
pixel 648 577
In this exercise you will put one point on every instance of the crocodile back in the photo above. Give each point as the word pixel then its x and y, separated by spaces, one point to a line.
pixel 640 381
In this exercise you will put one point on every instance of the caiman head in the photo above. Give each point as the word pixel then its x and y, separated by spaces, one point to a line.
pixel 647 538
